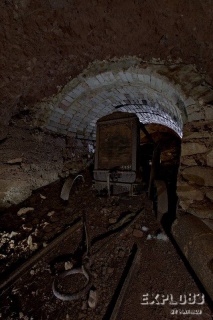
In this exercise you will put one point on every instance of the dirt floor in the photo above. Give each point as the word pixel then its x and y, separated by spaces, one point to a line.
pixel 160 270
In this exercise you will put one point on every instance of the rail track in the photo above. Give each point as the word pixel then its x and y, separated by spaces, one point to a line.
pixel 128 263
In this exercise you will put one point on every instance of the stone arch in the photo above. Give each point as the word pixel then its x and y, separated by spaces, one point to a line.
pixel 176 92
pixel 147 90
pixel 150 96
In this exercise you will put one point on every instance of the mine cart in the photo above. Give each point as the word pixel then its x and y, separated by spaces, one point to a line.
pixel 117 154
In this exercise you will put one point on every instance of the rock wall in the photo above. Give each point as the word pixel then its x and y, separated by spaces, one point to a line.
pixel 30 159
pixel 44 44
pixel 195 185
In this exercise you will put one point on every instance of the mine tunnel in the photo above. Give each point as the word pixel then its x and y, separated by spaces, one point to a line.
pixel 106 171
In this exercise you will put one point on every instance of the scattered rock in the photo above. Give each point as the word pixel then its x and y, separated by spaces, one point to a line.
pixel 51 213
pixel 137 233
pixel 14 161
pixel 32 246
pixel 149 237
pixel 145 229
pixel 36 232
pixel 42 197
pixel 13 234
pixel 27 227
pixel 12 245
pixel 68 265
pixel 24 211
pixel 93 298
pixel 162 236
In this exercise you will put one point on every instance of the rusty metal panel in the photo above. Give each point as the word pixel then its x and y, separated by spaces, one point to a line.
pixel 117 142
pixel 116 156
pixel 115 148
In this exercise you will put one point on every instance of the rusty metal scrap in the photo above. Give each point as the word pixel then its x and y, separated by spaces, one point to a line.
pixel 68 184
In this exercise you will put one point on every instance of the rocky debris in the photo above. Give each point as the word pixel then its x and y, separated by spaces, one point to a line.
pixel 24 211
pixel 2 256
pixel 68 265
pixel 13 234
pixel 7 243
pixel 22 316
pixel 106 271
pixel 93 298
pixel 144 228
pixel 137 233
pixel 149 237
pixel 50 214
pixel 158 236
pixel 162 236
pixel 15 161
pixel 32 246
pixel 27 227
pixel 42 197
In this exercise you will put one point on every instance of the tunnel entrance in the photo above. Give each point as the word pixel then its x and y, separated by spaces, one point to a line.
pixel 160 152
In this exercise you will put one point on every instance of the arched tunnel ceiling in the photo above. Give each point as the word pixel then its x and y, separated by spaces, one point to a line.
pixel 150 96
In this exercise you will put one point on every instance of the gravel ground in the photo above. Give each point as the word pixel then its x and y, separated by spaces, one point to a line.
pixel 161 269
